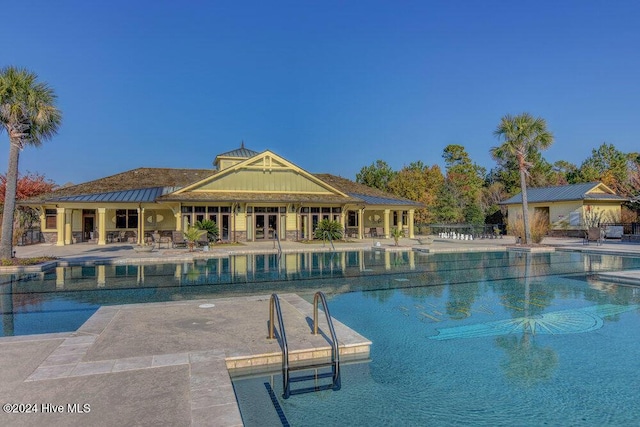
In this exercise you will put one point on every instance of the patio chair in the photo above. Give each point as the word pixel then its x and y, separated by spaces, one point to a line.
pixel 178 239
pixel 593 234
pixel 203 240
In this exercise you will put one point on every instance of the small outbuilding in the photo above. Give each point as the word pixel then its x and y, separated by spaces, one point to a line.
pixel 570 209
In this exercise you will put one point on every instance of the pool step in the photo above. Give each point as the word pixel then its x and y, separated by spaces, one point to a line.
pixel 333 385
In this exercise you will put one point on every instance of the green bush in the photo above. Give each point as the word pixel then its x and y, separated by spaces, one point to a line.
pixel 211 228
pixel 329 230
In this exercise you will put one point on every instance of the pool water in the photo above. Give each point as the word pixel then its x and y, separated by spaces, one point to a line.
pixel 498 339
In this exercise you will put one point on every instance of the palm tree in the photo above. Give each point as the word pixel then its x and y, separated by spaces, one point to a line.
pixel 523 136
pixel 30 117
pixel 192 235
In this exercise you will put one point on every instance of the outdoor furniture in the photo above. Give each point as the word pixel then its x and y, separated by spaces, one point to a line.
pixel 159 240
pixel 178 239
pixel 203 240
pixel 593 234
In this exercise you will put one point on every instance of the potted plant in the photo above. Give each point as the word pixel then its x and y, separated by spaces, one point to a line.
pixel 192 235
pixel 396 233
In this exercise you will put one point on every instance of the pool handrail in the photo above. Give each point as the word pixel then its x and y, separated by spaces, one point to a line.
pixel 274 306
pixel 335 349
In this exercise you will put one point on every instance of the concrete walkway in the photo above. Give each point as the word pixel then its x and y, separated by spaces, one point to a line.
pixel 167 363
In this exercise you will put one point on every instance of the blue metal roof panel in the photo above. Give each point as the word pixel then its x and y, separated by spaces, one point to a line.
pixel 562 193
pixel 142 195
pixel 241 152
pixel 375 200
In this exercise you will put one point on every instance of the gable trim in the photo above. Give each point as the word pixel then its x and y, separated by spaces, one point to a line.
pixel 267 165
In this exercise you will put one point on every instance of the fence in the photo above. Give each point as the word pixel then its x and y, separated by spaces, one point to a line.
pixel 482 231
pixel 627 227
pixel 30 237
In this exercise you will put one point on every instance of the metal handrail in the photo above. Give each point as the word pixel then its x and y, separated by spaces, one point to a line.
pixel 335 352
pixel 277 240
pixel 274 306
pixel 327 236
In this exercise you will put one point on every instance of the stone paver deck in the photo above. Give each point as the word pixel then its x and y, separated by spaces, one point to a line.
pixel 167 363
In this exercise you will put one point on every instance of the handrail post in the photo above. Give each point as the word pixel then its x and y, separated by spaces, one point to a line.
pixel 271 309
pixel 315 314
pixel 274 307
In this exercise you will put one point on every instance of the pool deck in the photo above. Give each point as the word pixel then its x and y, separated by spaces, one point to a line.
pixel 168 363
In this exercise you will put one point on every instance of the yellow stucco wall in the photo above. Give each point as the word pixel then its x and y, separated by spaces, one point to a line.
pixel 560 213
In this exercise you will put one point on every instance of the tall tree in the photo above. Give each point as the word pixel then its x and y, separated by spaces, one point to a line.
pixel 609 165
pixel 378 175
pixel 465 180
pixel 523 136
pixel 420 183
pixel 29 185
pixel 29 115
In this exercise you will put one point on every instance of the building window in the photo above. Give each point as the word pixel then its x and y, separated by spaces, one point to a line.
pixel 50 218
pixel 352 219
pixel 126 218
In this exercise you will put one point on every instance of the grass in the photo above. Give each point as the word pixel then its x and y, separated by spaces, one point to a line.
pixel 25 261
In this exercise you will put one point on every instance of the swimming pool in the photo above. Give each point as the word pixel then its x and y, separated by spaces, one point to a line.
pixel 482 339
pixel 580 368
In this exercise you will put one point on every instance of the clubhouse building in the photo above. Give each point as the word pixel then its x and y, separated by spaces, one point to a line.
pixel 251 196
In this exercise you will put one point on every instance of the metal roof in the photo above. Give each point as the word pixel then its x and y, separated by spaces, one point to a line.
pixel 375 200
pixel 131 196
pixel 563 193
pixel 243 153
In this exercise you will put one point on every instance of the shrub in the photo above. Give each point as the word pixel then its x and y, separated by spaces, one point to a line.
pixel 211 228
pixel 539 223
pixel 396 233
pixel 328 229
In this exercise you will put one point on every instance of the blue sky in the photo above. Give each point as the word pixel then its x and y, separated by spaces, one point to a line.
pixel 330 85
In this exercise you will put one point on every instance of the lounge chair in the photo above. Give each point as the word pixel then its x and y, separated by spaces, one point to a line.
pixel 203 240
pixel 593 234
pixel 178 239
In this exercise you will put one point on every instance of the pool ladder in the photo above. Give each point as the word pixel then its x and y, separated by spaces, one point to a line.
pixel 287 379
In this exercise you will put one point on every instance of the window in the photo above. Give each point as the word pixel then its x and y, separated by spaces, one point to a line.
pixel 574 218
pixel 126 218
pixel 50 218
pixel 352 219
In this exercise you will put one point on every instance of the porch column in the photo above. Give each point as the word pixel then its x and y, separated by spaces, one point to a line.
pixel 386 223
pixel 178 216
pixel 67 226
pixel 411 231
pixel 60 226
pixel 360 223
pixel 102 226
pixel 141 226
pixel 399 224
